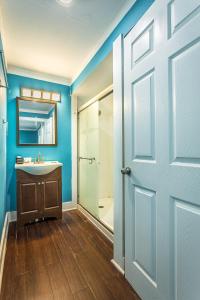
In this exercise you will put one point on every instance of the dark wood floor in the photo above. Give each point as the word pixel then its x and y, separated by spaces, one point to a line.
pixel 61 259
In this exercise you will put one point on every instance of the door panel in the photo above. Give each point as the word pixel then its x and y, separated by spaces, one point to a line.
pixel 162 148
pixel 184 77
pixel 143 117
pixel 180 13
pixel 187 241
pixel 29 198
pixel 51 194
pixel 143 45
pixel 52 197
pixel 145 231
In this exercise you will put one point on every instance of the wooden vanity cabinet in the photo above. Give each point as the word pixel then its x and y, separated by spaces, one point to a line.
pixel 38 196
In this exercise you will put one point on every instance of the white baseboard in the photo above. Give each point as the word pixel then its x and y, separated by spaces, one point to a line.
pixel 117 266
pixel 68 206
pixel 12 216
pixel 3 245
pixel 97 224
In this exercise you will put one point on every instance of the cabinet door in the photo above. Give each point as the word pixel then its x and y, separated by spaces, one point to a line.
pixel 52 198
pixel 29 204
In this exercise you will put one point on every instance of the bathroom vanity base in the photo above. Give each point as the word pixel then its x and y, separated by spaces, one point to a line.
pixel 38 196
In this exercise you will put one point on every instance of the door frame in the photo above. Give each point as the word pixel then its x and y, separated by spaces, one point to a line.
pixel 118 152
pixel 74 147
pixel 118 128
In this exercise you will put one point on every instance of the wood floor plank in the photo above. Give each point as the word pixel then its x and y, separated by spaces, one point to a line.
pixel 75 277
pixel 22 287
pixel 59 283
pixel 40 285
pixel 34 250
pixel 92 277
pixel 61 259
pixel 67 244
pixel 78 234
pixel 49 253
pixel 22 261
pixel 85 294
pixel 89 236
pixel 63 239
pixel 120 289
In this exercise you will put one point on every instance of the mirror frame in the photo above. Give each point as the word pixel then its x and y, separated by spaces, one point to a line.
pixel 17 122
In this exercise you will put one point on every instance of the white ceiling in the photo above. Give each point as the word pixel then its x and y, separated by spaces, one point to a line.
pixel 28 124
pixel 31 106
pixel 42 36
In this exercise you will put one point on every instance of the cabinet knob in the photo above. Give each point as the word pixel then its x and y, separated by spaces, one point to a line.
pixel 39 183
pixel 42 182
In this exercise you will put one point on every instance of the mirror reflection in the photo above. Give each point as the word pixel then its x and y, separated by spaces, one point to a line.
pixel 36 123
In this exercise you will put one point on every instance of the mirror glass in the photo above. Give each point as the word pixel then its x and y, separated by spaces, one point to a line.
pixel 36 123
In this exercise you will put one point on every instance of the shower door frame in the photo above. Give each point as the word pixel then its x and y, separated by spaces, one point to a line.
pixel 99 97
pixel 106 92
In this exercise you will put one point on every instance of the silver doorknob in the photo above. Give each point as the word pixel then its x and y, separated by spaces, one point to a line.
pixel 126 171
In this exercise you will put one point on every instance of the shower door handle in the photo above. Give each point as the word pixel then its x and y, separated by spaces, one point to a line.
pixel 91 159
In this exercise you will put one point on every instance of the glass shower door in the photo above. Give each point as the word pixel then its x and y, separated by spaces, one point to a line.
pixel 88 158
pixel 106 202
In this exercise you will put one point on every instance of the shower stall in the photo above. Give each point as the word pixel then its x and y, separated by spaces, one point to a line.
pixel 95 180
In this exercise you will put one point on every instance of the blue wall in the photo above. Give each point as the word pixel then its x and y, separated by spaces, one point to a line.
pixel 28 137
pixel 129 20
pixel 62 152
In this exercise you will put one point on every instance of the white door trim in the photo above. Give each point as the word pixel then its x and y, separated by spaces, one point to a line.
pixel 118 107
pixel 74 136
pixel 117 267
pixel 3 245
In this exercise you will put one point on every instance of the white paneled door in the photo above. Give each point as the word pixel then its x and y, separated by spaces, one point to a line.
pixel 162 150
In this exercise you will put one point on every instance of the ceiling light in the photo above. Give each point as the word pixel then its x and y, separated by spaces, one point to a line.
pixel 65 3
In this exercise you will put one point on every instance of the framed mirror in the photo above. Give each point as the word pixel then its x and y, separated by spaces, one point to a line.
pixel 36 122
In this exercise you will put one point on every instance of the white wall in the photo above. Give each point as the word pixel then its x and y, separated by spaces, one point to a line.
pixel 97 81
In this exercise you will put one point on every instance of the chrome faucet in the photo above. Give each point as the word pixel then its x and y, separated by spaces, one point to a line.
pixel 39 158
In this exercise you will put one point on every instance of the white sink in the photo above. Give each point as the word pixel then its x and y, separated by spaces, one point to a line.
pixel 41 168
